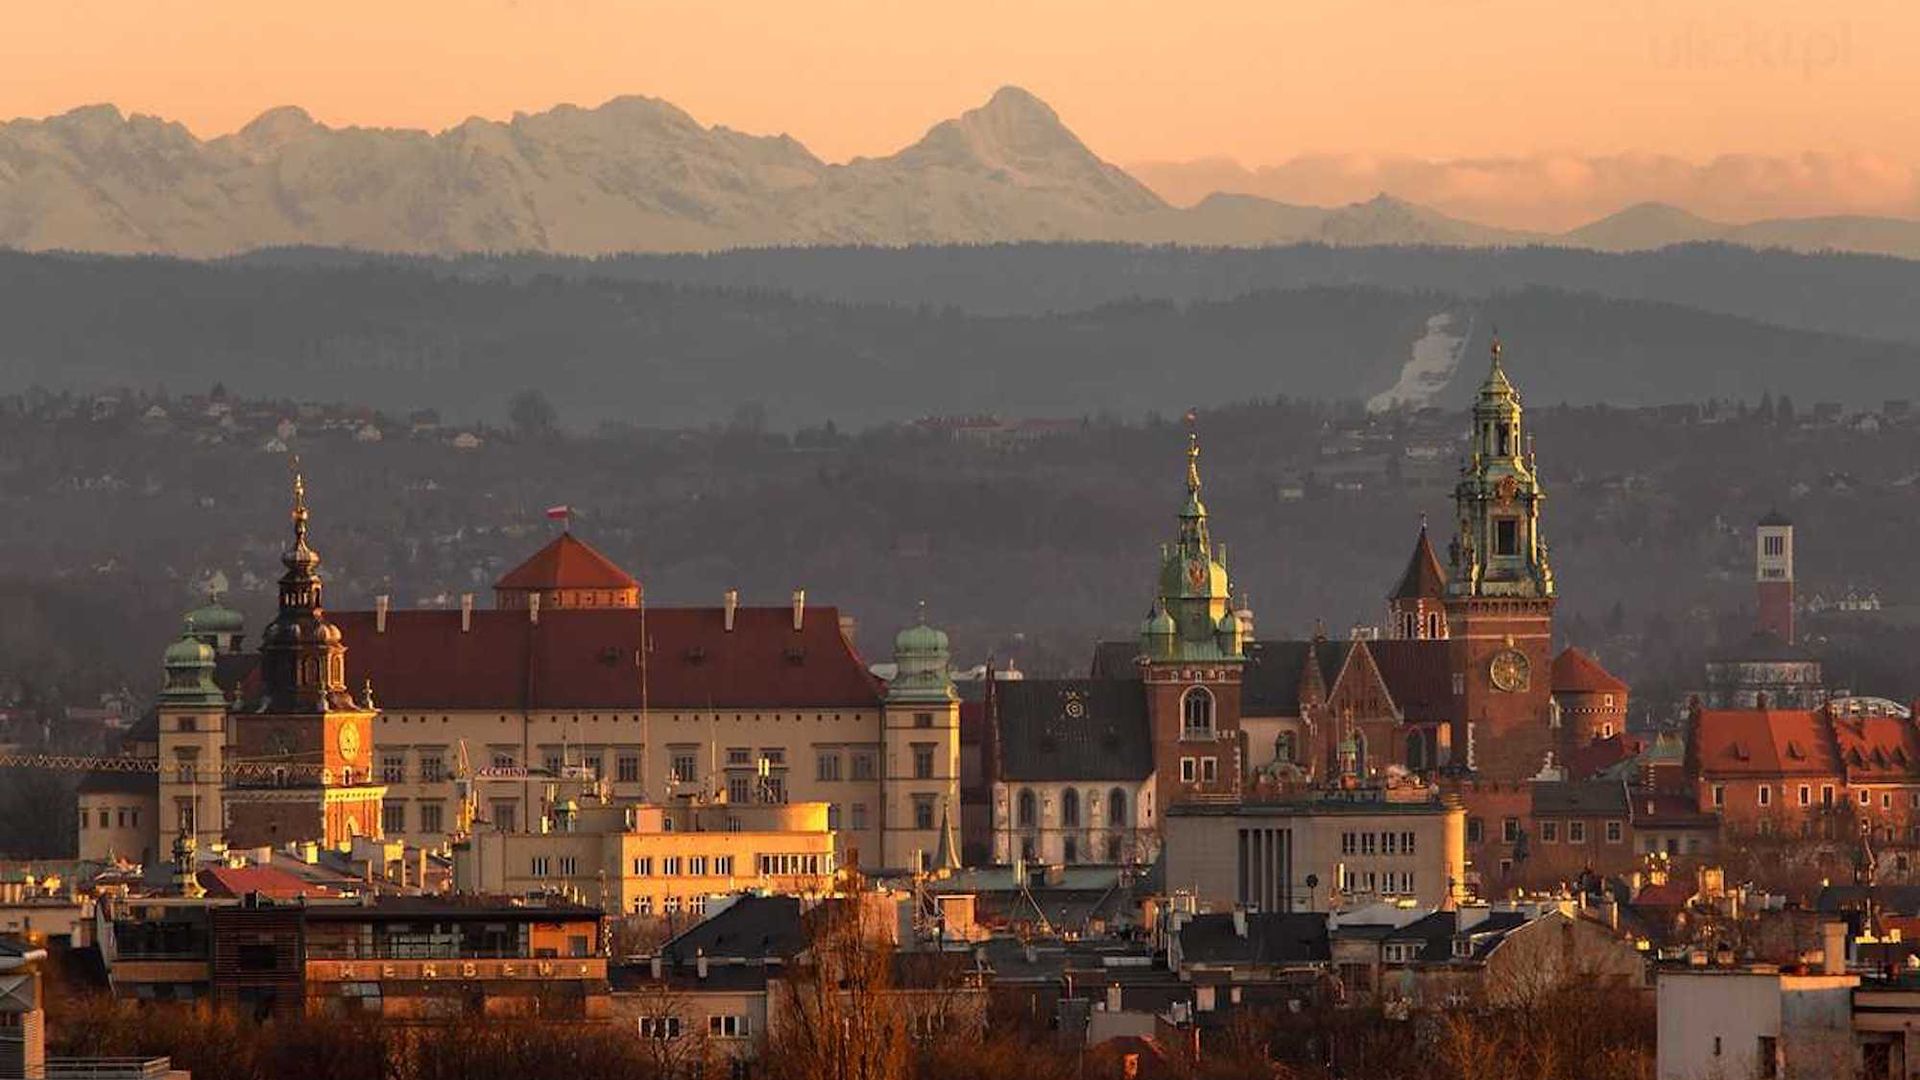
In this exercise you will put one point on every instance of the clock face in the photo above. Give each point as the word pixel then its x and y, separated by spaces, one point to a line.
pixel 349 741
pixel 1509 671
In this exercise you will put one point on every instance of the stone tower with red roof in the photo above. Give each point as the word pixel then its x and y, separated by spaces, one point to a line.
pixel 1417 610
pixel 567 573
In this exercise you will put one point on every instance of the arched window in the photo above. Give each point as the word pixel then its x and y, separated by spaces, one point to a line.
pixel 1070 809
pixel 1117 808
pixel 1196 714
pixel 1285 749
pixel 1024 813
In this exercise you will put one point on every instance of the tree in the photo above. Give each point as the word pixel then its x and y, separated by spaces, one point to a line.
pixel 533 416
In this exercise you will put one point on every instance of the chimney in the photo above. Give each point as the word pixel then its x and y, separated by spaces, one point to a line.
pixel 1833 953
pixel 533 608
pixel 799 608
pixel 700 962
pixel 1240 922
pixel 380 604
pixel 732 605
pixel 466 612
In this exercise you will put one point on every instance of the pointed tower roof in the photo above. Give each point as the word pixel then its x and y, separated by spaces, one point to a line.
pixel 1497 385
pixel 567 563
pixel 1424 580
pixel 946 857
pixel 1576 672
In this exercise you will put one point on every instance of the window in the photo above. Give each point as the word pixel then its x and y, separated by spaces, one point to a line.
pixel 1549 832
pixel 1576 832
pixel 506 816
pixel 643 866
pixel 739 789
pixel 1506 536
pixel 660 1027
pixel 627 768
pixel 593 763
pixel 774 756
pixel 1616 832
pixel 729 1027
pixel 502 759
pixel 542 866
pixel 1510 830
pixel 432 769
pixel 670 906
pixel 1767 1057
pixel 723 866
pixel 923 812
pixel 393 818
pixel 1117 808
pixel 863 765
pixel 569 865
pixel 1389 843
pixel 858 816
pixel 923 719
pixel 1366 843
pixel 1719 795
pixel 552 763
pixel 1349 843
pixel 1866 797
pixel 1209 770
pixel 685 766
pixel 1189 770
pixel 430 821
pixel 1406 843
pixel 670 865
pixel 1196 714
pixel 923 761
pixel 393 768
pixel 696 866
pixel 1826 795
pixel 739 755
pixel 1459 683
pixel 1764 795
pixel 1474 830
pixel 1886 800
pixel 1775 545
pixel 1070 809
pixel 827 765
pixel 1806 795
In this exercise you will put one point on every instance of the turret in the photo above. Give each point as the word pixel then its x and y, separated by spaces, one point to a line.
pixel 1417 608
pixel 302 662
pixel 1499 550
pixel 920 743
pixel 1194 589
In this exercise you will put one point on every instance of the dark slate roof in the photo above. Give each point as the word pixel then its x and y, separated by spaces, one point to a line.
pixel 1041 738
pixel 1423 579
pixel 1115 660
pixel 1579 798
pixel 1270 683
pixel 1434 932
pixel 1272 938
pixel 750 928
pixel 1494 929
pixel 1775 519
pixel 1419 675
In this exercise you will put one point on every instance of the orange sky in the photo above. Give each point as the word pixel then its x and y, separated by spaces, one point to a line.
pixel 1257 80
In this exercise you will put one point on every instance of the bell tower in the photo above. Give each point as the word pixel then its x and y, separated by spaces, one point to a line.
pixel 1417 610
pixel 1192 645
pixel 304 719
pixel 1500 594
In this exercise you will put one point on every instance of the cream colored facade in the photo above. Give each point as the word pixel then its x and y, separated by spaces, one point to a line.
pixel 1088 821
pixel 831 758
pixel 117 824
pixel 653 860
pixel 193 748
pixel 1356 847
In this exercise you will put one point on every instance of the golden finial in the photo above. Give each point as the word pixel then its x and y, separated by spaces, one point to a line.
pixel 299 502
pixel 1193 454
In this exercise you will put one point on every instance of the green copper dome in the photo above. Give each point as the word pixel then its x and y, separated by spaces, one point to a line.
pixel 189 665
pixel 188 652
pixel 215 618
pixel 920 656
pixel 920 640
pixel 1159 624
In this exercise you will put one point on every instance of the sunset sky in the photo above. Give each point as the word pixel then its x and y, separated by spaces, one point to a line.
pixel 1262 82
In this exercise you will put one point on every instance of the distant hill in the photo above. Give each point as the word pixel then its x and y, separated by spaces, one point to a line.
pixel 639 175
pixel 403 336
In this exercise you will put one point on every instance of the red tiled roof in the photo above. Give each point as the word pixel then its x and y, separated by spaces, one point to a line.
pixel 1576 672
pixel 268 881
pixel 567 563
pixel 590 659
pixel 1419 675
pixel 1765 742
pixel 1423 579
pixel 1877 748
pixel 1671 893
pixel 1583 761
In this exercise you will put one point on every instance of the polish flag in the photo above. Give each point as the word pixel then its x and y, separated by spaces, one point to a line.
pixel 559 513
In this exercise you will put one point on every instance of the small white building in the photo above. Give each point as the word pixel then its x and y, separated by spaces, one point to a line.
pixel 1757 1020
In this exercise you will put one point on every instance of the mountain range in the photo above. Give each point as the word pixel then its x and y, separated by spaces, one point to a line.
pixel 640 175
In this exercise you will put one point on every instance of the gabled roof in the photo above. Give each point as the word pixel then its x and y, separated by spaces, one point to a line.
pixel 751 928
pixel 270 882
pixel 1275 675
pixel 590 659
pixel 1765 742
pixel 1885 748
pixel 1419 675
pixel 1272 938
pixel 1073 729
pixel 1423 580
pixel 1577 673
pixel 1433 932
pixel 567 563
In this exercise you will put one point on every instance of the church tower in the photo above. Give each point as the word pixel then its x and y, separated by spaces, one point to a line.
pixel 1773 575
pixel 192 713
pixel 305 718
pixel 1500 594
pixel 1193 647
pixel 1417 610
pixel 921 748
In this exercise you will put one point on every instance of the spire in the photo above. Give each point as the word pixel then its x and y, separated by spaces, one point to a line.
pixel 302 660
pixel 946 856
pixel 1194 540
pixel 1423 579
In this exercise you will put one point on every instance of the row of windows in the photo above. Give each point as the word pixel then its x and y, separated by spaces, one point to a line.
pixel 1026 813
pixel 1576 831
pixel 731 1026
pixel 1386 843
pixel 695 905
pixel 1070 849
pixel 1204 770
pixel 811 865
pixel 393 817
pixel 1390 882
pixel 1763 795
pixel 688 866
pixel 121 818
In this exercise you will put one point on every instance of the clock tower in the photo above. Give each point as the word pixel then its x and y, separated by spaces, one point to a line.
pixel 303 718
pixel 1192 655
pixel 1500 594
